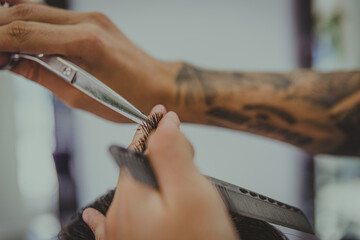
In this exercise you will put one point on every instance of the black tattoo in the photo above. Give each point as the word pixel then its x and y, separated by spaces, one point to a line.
pixel 286 134
pixel 191 79
pixel 349 122
pixel 329 88
pixel 311 91
pixel 274 110
pixel 184 79
pixel 210 92
pixel 228 115
pixel 260 126
pixel 194 80
pixel 262 116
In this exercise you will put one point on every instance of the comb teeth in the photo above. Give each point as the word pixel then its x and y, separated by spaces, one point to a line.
pixel 250 204
pixel 147 127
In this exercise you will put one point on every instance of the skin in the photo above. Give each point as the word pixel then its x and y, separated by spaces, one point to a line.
pixel 91 41
pixel 164 214
pixel 317 112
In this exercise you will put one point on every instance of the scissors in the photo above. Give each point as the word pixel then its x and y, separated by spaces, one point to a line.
pixel 238 200
pixel 82 80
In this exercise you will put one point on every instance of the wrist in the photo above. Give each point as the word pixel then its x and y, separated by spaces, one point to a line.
pixel 159 85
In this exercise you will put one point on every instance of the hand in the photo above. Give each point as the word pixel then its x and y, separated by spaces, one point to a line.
pixel 91 41
pixel 187 206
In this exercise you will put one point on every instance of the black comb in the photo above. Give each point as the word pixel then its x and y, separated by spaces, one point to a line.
pixel 238 200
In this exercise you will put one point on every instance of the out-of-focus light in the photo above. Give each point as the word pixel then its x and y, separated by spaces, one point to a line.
pixel 37 174
pixel 43 227
pixel 37 179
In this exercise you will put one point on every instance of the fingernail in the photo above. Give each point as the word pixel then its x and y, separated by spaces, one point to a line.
pixel 174 118
pixel 158 109
pixel 86 215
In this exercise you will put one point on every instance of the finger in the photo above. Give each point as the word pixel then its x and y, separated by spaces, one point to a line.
pixel 35 38
pixel 171 117
pixel 170 154
pixel 131 201
pixel 70 95
pixel 96 222
pixel 139 134
pixel 39 13
pixel 130 192
pixel 129 187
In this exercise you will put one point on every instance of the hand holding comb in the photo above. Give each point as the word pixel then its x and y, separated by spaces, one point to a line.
pixel 238 200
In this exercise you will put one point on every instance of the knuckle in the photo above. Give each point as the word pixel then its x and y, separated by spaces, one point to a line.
pixel 22 10
pixel 93 38
pixel 19 30
pixel 98 17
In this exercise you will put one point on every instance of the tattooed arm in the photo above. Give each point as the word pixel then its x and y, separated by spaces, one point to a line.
pixel 315 111
pixel 318 112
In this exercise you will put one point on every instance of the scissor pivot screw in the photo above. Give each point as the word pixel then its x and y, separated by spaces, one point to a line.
pixel 67 71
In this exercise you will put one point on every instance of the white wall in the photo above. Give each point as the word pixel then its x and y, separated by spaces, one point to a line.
pixel 12 213
pixel 28 183
pixel 232 34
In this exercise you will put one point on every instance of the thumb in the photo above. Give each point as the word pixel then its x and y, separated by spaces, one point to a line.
pixel 171 154
pixel 96 222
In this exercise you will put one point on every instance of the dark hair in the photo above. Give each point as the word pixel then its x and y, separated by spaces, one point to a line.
pixel 253 229
pixel 77 229
pixel 247 228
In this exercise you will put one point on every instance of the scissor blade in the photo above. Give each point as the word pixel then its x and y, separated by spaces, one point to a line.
pixel 86 83
pixel 105 95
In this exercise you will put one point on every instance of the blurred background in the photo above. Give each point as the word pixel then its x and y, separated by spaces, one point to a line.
pixel 53 160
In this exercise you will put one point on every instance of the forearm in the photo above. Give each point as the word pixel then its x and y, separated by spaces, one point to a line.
pixel 318 112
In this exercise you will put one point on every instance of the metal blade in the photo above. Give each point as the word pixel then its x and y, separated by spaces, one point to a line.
pixel 105 95
pixel 86 83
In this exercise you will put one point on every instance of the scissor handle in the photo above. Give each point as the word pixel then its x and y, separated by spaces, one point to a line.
pixel 53 63
pixel 13 61
pixel 83 81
